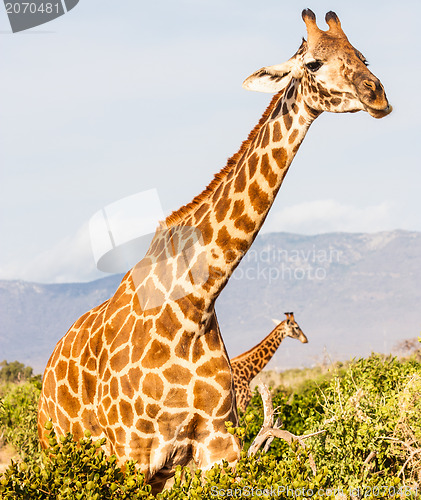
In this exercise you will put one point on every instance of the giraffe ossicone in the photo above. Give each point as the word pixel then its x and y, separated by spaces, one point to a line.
pixel 156 381
pixel 250 363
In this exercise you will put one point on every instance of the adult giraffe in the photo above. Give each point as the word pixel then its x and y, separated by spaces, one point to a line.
pixel 148 368
pixel 248 364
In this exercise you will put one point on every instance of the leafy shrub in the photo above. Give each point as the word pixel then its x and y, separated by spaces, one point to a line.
pixel 405 444
pixel 369 409
pixel 261 476
pixel 73 471
pixel 18 418
pixel 361 409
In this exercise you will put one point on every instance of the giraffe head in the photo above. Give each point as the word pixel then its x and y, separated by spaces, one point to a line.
pixel 333 74
pixel 291 329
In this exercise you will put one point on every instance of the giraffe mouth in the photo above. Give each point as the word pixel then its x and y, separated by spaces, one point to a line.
pixel 379 113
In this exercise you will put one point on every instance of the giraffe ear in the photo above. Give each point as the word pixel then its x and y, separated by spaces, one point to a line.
pixel 273 79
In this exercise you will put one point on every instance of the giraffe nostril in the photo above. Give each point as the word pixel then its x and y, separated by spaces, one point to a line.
pixel 370 84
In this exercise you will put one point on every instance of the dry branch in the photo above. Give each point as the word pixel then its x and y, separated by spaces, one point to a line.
pixel 269 430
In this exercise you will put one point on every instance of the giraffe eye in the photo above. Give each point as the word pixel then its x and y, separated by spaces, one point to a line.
pixel 313 66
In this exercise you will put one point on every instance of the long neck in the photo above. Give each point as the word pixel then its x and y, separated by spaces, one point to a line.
pixel 229 213
pixel 253 361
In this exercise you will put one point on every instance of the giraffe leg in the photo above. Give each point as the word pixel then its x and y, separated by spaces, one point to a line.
pixel 247 397
pixel 244 394
pixel 164 477
pixel 157 485
pixel 214 451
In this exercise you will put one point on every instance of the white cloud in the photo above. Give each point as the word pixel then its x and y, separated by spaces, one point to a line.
pixel 325 216
pixel 76 257
pixel 70 260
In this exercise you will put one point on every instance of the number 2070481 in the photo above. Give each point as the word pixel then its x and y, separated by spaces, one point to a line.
pixel 33 8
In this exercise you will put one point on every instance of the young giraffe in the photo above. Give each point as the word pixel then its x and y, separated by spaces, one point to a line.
pixel 148 369
pixel 247 365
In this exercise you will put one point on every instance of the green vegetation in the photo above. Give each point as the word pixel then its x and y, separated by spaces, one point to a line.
pixel 18 418
pixel 371 448
pixel 73 471
pixel 370 411
pixel 367 412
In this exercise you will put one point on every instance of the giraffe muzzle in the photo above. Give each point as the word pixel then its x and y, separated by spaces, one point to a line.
pixel 373 97
pixel 303 339
pixel 379 113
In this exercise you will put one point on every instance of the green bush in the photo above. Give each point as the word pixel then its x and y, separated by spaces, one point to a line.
pixel 362 409
pixel 370 410
pixel 261 476
pixel 18 418
pixel 73 471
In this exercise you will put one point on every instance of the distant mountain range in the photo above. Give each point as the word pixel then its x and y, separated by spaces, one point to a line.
pixel 351 294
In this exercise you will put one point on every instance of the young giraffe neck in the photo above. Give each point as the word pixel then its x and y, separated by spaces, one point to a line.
pixel 252 361
pixel 231 210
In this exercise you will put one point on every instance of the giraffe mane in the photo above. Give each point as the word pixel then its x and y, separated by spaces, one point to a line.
pixel 185 210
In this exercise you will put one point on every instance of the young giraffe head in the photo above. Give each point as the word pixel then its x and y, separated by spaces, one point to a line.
pixel 289 328
pixel 333 74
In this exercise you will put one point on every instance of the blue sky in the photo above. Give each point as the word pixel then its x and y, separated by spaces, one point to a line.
pixel 116 98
